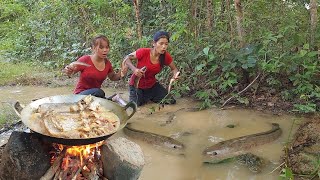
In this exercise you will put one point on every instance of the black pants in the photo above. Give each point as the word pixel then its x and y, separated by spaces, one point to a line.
pixel 94 92
pixel 156 94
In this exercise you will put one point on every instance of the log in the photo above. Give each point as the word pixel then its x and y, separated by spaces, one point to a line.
pixel 94 172
pixel 122 159
pixel 54 167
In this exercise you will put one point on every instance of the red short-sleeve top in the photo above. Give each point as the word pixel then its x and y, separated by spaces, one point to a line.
pixel 144 59
pixel 91 77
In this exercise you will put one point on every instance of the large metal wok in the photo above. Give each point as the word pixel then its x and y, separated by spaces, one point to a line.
pixel 121 112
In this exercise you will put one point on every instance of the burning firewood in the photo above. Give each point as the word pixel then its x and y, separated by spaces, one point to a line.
pixel 75 175
pixel 55 166
pixel 94 171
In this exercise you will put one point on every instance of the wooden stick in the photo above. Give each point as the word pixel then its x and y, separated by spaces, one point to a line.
pixel 55 166
pixel 56 175
pixel 77 173
pixel 246 88
pixel 94 171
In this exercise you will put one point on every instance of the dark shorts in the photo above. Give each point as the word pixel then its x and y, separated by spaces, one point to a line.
pixel 97 92
pixel 155 94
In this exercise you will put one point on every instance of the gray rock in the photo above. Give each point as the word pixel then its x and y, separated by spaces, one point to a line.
pixel 122 159
pixel 24 157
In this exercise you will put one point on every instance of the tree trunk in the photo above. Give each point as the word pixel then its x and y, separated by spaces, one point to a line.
pixel 239 17
pixel 313 20
pixel 194 12
pixel 230 28
pixel 209 15
pixel 138 20
pixel 88 27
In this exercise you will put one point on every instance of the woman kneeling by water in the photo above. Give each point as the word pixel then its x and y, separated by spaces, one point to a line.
pixel 143 85
pixel 94 69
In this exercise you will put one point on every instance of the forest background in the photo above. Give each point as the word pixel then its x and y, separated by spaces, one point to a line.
pixel 250 52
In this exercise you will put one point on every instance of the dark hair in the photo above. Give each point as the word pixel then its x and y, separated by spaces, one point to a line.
pixel 162 57
pixel 161 34
pixel 96 40
pixel 158 35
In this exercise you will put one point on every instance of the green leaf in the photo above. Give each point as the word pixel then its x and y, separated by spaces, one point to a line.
pixel 211 57
pixel 199 67
pixel 303 52
pixel 306 46
pixel 244 66
pixel 312 53
pixel 206 50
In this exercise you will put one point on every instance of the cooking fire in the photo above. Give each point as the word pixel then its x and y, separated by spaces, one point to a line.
pixel 82 124
pixel 75 162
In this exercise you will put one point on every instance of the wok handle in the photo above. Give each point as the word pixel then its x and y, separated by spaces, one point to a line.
pixel 17 107
pixel 133 105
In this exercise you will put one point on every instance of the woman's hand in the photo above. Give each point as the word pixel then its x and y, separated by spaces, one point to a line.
pixel 124 68
pixel 73 67
pixel 140 72
pixel 69 70
pixel 176 76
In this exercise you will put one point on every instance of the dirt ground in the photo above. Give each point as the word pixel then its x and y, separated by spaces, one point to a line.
pixel 303 154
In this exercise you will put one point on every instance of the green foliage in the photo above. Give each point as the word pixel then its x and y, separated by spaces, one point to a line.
pixel 286 174
pixel 213 64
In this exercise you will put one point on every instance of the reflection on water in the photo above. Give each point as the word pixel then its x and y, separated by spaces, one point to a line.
pixel 197 130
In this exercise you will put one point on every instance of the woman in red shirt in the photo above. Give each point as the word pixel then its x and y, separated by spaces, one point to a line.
pixel 153 59
pixel 94 68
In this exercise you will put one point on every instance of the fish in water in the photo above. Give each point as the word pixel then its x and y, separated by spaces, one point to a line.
pixel 164 142
pixel 237 146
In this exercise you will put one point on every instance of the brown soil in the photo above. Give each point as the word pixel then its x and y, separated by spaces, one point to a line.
pixel 1 150
pixel 303 154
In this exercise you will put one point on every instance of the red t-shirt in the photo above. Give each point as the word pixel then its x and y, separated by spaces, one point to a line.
pixel 91 77
pixel 149 79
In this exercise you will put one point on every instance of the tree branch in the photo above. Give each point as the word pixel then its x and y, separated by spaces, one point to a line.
pixel 246 88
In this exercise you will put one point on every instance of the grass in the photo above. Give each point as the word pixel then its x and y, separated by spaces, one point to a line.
pixel 20 73
pixel 9 72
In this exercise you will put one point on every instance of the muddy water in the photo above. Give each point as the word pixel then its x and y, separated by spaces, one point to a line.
pixel 197 130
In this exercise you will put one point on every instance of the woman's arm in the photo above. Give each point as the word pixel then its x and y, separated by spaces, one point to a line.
pixel 114 76
pixel 128 62
pixel 174 70
pixel 73 68
pixel 123 68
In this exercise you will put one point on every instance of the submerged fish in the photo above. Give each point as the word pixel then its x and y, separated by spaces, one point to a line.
pixel 165 142
pixel 237 146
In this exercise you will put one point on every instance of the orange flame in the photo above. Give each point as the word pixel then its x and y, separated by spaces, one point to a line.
pixel 83 152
